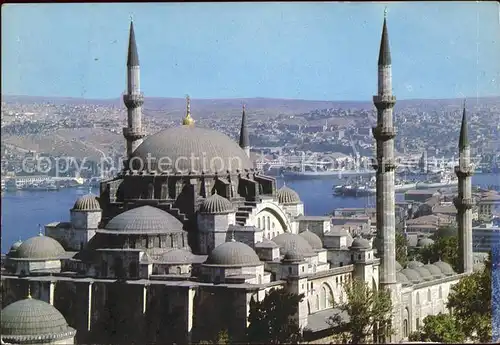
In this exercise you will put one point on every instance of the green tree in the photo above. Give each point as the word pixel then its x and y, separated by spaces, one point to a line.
pixel 446 231
pixel 470 303
pixel 441 328
pixel 444 248
pixel 401 249
pixel 366 314
pixel 271 320
pixel 222 339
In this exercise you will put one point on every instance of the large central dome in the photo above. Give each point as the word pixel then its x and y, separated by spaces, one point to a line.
pixel 190 149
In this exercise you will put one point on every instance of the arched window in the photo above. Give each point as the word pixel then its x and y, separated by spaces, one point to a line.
pixel 258 223
pixel 268 223
pixel 429 295
pixel 268 235
pixel 417 324
pixel 326 297
pixel 179 271
pixel 418 298
pixel 317 302
pixel 260 279
pixel 440 292
pixel 289 270
pixel 273 225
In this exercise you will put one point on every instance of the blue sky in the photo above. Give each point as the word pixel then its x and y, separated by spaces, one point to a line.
pixel 320 51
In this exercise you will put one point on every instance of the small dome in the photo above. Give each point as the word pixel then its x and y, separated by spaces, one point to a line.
pixel 233 254
pixel 424 273
pixel 287 196
pixel 414 264
pixel 398 267
pixel 15 246
pixel 445 268
pixel 412 275
pixel 31 320
pixel 401 278
pixel 87 202
pixel 312 239
pixel 144 219
pixel 216 204
pixel 293 256
pixel 424 242
pixel 266 243
pixel 435 271
pixel 478 267
pixel 288 241
pixel 360 243
pixel 177 256
pixel 40 247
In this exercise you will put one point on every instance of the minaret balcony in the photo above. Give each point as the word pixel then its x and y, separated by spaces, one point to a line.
pixel 133 133
pixel 384 165
pixel 464 171
pixel 463 203
pixel 384 101
pixel 383 133
pixel 133 100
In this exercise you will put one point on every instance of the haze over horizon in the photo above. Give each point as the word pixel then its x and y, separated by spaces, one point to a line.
pixel 295 51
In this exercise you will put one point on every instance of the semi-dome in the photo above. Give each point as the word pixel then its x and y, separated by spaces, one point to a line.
pixel 40 247
pixel 414 264
pixel 424 242
pixel 293 256
pixel 144 220
pixel 360 243
pixel 13 249
pixel 412 275
pixel 424 273
pixel 435 271
pixel 288 241
pixel 312 239
pixel 177 256
pixel 216 204
pixel 445 267
pixel 190 149
pixel 398 267
pixel 287 196
pixel 33 321
pixel 233 254
pixel 87 202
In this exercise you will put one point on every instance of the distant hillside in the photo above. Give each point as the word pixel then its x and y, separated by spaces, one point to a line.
pixel 204 107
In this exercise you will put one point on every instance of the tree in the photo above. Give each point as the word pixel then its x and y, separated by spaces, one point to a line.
pixel 401 249
pixel 441 328
pixel 446 231
pixel 222 339
pixel 369 314
pixel 470 303
pixel 271 320
pixel 444 248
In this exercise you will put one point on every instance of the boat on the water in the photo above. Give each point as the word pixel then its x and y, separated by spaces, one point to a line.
pixel 439 180
pixel 297 174
pixel 364 188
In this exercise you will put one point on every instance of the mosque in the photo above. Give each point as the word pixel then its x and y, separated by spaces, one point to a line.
pixel 175 247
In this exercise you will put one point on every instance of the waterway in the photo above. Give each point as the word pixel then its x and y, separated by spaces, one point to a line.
pixel 23 211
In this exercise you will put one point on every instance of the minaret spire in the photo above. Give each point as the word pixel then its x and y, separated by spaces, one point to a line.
pixel 464 201
pixel 133 98
pixel 188 120
pixel 464 140
pixel 384 57
pixel 244 138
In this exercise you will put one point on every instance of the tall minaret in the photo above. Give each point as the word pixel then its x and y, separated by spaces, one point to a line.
pixel 133 99
pixel 244 139
pixel 464 201
pixel 384 165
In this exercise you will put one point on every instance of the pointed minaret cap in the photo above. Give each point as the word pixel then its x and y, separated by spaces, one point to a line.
pixel 133 56
pixel 384 57
pixel 188 120
pixel 464 136
pixel 244 138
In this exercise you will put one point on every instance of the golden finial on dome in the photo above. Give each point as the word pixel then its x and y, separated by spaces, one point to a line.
pixel 188 120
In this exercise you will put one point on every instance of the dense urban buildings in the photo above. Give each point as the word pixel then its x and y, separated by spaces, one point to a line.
pixel 190 230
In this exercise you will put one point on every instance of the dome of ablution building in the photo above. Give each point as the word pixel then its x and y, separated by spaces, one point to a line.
pixel 190 149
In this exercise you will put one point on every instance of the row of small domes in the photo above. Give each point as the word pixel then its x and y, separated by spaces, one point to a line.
pixel 215 204
pixel 416 272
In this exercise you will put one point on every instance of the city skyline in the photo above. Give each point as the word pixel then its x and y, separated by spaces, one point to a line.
pixel 449 51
